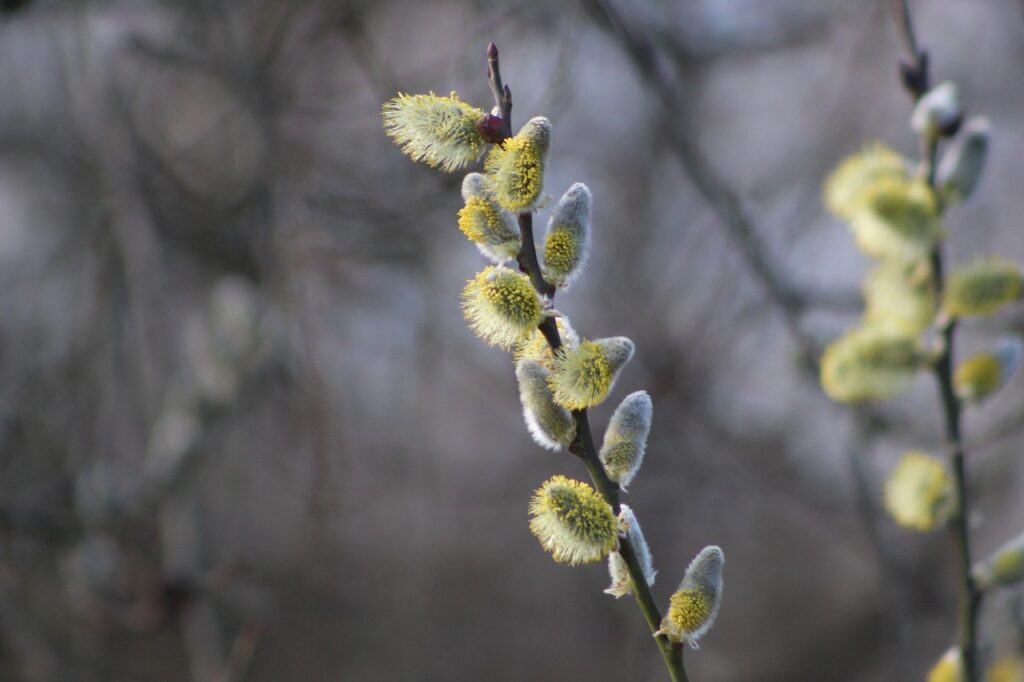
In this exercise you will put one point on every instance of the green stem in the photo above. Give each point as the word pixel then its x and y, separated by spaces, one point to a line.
pixel 968 597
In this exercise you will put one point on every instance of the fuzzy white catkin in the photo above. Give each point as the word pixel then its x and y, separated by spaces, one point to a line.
pixel 961 167
pixel 630 528
pixel 938 111
pixel 694 606
pixel 567 244
pixel 550 424
pixel 625 439
pixel 492 229
pixel 618 570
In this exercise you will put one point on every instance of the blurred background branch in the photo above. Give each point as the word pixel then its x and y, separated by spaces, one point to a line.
pixel 168 512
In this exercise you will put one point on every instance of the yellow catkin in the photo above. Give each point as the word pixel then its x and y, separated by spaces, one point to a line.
pixel 484 223
pixel 583 376
pixel 567 243
pixel 572 521
pixel 918 492
pixel 693 607
pixel 515 169
pixel 439 131
pixel 501 306
pixel 536 346
pixel 982 287
pixel 899 221
pixel 949 668
pixel 977 377
pixel 900 297
pixel 869 363
pixel 1006 668
pixel 849 184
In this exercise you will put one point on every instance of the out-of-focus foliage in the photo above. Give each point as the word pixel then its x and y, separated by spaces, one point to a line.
pixel 340 490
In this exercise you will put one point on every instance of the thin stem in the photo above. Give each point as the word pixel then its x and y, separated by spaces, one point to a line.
pixel 901 8
pixel 968 597
pixel 583 444
pixel 583 447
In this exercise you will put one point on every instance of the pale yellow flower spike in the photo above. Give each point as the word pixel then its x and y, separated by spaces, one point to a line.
pixel 983 374
pixel 536 347
pixel 869 363
pixel 625 439
pixel 567 244
pixel 550 424
pixel 694 606
pixel 982 287
pixel 492 229
pixel 918 492
pixel 899 220
pixel 501 306
pixel 583 376
pixel 572 521
pixel 900 297
pixel 1006 668
pixel 439 131
pixel 515 169
pixel 949 668
pixel 847 187
pixel 1005 566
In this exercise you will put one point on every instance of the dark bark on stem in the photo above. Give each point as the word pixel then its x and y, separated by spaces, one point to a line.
pixel 583 444
pixel 968 597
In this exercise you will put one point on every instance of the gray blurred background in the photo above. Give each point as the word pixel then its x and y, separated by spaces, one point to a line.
pixel 246 434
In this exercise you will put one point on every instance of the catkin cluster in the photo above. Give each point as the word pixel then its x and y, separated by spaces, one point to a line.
pixel 558 379
pixel 894 209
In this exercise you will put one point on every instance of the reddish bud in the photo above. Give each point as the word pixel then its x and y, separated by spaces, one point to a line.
pixel 491 128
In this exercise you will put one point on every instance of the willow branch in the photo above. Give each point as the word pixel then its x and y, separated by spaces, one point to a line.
pixel 584 448
pixel 583 444
pixel 968 597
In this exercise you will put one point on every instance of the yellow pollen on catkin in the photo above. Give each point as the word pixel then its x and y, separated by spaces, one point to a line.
pixel 918 492
pixel 694 606
pixel 625 439
pixel 582 377
pixel 501 306
pixel 949 668
pixel 1004 567
pixel 899 297
pixel 847 187
pixel 899 220
pixel 1006 668
pixel 493 230
pixel 982 287
pixel 567 243
pixel 869 363
pixel 572 521
pixel 478 219
pixel 536 347
pixel 439 131
pixel 1009 565
pixel 689 609
pixel 978 376
pixel 560 250
pixel 515 168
